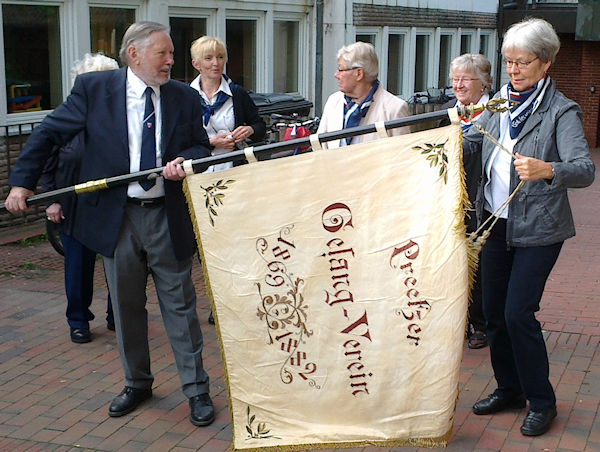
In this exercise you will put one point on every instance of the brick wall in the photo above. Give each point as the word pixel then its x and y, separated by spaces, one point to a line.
pixel 10 148
pixel 576 69
pixel 400 16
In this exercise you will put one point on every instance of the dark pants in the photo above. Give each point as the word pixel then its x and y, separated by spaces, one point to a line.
pixel 513 280
pixel 476 317
pixel 79 283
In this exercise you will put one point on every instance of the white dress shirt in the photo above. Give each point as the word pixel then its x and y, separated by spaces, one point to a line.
pixel 497 188
pixel 136 103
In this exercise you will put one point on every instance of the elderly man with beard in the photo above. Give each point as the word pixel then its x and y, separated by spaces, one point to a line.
pixel 135 118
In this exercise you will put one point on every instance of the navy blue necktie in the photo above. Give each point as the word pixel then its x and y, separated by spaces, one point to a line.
pixel 148 151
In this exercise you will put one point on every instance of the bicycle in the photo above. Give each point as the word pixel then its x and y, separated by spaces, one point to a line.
pixel 293 127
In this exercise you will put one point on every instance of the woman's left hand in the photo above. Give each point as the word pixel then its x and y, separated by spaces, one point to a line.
pixel 54 213
pixel 242 133
pixel 531 169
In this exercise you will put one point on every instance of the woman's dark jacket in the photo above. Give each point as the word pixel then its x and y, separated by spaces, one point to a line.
pixel 540 214
pixel 62 170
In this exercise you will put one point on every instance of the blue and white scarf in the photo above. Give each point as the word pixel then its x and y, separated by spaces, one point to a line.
pixel 209 109
pixel 528 102
pixel 354 112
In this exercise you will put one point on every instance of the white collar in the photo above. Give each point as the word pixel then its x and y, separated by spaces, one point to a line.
pixel 138 86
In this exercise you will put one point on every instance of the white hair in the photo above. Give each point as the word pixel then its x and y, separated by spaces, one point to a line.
pixel 92 62
pixel 361 54
pixel 474 63
pixel 534 36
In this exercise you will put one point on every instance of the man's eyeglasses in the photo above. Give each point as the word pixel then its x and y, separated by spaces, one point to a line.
pixel 519 64
pixel 347 69
pixel 463 79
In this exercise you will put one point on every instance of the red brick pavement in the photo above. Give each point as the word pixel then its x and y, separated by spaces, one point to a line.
pixel 54 394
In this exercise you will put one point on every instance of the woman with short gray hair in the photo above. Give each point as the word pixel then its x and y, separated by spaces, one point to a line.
pixel 475 64
pixel 471 78
pixel 547 149
pixel 363 55
pixel 361 99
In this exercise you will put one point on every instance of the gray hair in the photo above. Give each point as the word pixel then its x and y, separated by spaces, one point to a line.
pixel 363 55
pixel 534 36
pixel 93 62
pixel 474 63
pixel 138 35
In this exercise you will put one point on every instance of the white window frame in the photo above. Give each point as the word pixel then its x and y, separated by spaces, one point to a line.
pixel 384 62
pixel 210 14
pixel 123 4
pixel 136 5
pixel 304 60
pixel 66 55
pixel 490 53
pixel 454 49
pixel 74 23
pixel 474 47
pixel 431 73
pixel 262 82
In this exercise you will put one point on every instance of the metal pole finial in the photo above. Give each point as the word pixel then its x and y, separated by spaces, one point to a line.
pixel 495 105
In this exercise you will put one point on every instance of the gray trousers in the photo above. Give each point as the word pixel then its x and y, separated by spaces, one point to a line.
pixel 144 247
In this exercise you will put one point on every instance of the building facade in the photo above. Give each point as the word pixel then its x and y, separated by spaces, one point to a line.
pixel 415 39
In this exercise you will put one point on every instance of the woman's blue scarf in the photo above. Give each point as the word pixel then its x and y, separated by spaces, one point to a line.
pixel 209 109
pixel 525 103
pixel 354 112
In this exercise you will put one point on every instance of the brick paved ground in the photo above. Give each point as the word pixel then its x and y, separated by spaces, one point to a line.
pixel 54 394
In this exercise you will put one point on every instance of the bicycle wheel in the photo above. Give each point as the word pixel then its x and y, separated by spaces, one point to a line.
pixel 53 231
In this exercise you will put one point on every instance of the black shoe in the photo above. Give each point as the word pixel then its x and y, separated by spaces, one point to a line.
pixel 538 422
pixel 110 325
pixel 80 335
pixel 211 318
pixel 494 403
pixel 202 411
pixel 128 401
pixel 477 340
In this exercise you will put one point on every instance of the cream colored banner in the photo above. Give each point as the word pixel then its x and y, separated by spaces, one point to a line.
pixel 339 281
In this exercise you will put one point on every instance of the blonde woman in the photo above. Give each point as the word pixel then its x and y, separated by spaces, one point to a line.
pixel 230 116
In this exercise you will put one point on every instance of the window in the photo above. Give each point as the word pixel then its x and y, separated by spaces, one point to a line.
pixel 465 44
pixel 484 44
pixel 364 37
pixel 422 62
pixel 241 49
pixel 445 60
pixel 395 75
pixel 184 31
pixel 33 58
pixel 285 56
pixel 107 27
